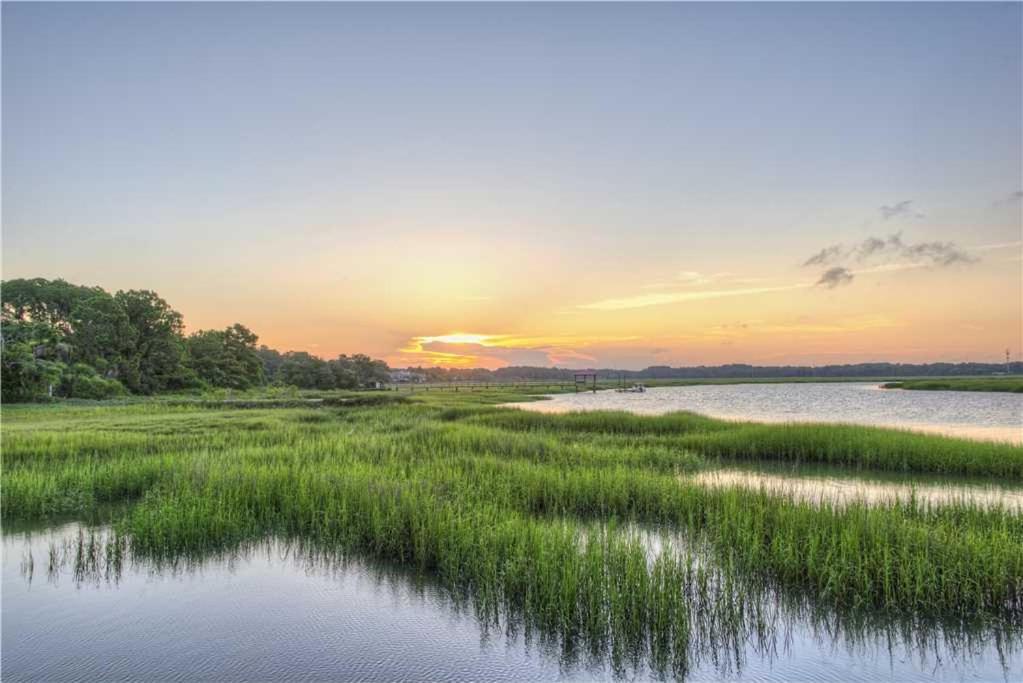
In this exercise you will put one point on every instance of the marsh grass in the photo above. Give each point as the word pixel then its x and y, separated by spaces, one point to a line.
pixel 500 505
pixel 870 448
pixel 1006 384
pixel 632 599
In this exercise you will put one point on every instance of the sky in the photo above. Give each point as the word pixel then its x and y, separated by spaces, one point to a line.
pixel 574 185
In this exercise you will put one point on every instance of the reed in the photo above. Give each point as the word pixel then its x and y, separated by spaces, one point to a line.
pixel 502 504
pixel 870 448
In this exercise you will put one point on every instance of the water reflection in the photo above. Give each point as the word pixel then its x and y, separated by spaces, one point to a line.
pixel 80 603
pixel 843 490
pixel 977 415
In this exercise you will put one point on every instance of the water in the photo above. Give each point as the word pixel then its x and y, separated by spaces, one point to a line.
pixel 273 613
pixel 838 487
pixel 979 415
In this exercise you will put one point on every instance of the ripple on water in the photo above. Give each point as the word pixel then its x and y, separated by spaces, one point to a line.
pixel 270 613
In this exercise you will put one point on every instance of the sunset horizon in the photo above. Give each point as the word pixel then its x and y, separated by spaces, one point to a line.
pixel 517 341
pixel 788 203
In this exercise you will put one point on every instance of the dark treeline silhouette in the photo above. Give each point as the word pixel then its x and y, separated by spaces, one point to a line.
pixel 733 371
pixel 61 339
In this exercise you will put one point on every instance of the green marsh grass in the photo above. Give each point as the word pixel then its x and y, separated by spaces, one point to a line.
pixel 501 504
pixel 870 448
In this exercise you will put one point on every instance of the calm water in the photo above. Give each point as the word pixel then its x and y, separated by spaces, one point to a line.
pixel 839 487
pixel 270 614
pixel 979 415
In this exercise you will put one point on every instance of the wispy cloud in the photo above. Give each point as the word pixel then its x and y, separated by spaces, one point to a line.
pixel 997 245
pixel 937 253
pixel 835 277
pixel 1012 198
pixel 872 255
pixel 891 247
pixel 805 326
pixel 693 278
pixel 884 254
pixel 468 349
pixel 825 256
pixel 903 209
pixel 874 245
pixel 662 298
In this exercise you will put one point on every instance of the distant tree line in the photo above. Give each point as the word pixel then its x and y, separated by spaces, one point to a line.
pixel 61 339
pixel 733 371
pixel 305 371
pixel 851 370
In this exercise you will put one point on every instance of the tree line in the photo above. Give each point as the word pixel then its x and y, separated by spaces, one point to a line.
pixel 74 341
pixel 732 371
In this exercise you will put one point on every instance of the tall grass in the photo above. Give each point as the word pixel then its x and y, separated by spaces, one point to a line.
pixel 501 504
pixel 869 448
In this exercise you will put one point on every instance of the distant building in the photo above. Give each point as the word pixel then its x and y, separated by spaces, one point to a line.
pixel 406 377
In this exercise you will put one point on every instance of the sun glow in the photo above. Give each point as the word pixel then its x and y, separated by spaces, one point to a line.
pixel 458 338
pixel 464 349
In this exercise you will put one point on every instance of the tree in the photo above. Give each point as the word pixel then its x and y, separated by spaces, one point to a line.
pixel 154 358
pixel 345 375
pixel 305 371
pixel 359 370
pixel 226 358
pixel 88 320
pixel 101 333
pixel 29 366
pixel 62 339
pixel 240 345
pixel 44 301
pixel 81 381
pixel 272 361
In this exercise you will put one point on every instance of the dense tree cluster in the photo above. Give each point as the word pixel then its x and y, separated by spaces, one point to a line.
pixel 61 339
pixel 300 369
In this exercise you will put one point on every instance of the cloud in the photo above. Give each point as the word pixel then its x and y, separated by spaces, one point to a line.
pixel 659 299
pixel 938 253
pixel 1012 198
pixel 934 253
pixel 692 278
pixel 899 210
pixel 884 254
pixel 875 245
pixel 804 326
pixel 463 349
pixel 825 256
pixel 835 277
pixel 998 245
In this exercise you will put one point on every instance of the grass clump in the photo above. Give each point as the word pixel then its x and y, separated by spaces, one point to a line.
pixel 870 448
pixel 867 448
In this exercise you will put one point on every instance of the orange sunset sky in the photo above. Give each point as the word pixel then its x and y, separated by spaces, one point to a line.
pixel 481 185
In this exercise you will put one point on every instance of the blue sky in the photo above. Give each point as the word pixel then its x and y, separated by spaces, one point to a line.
pixel 350 177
